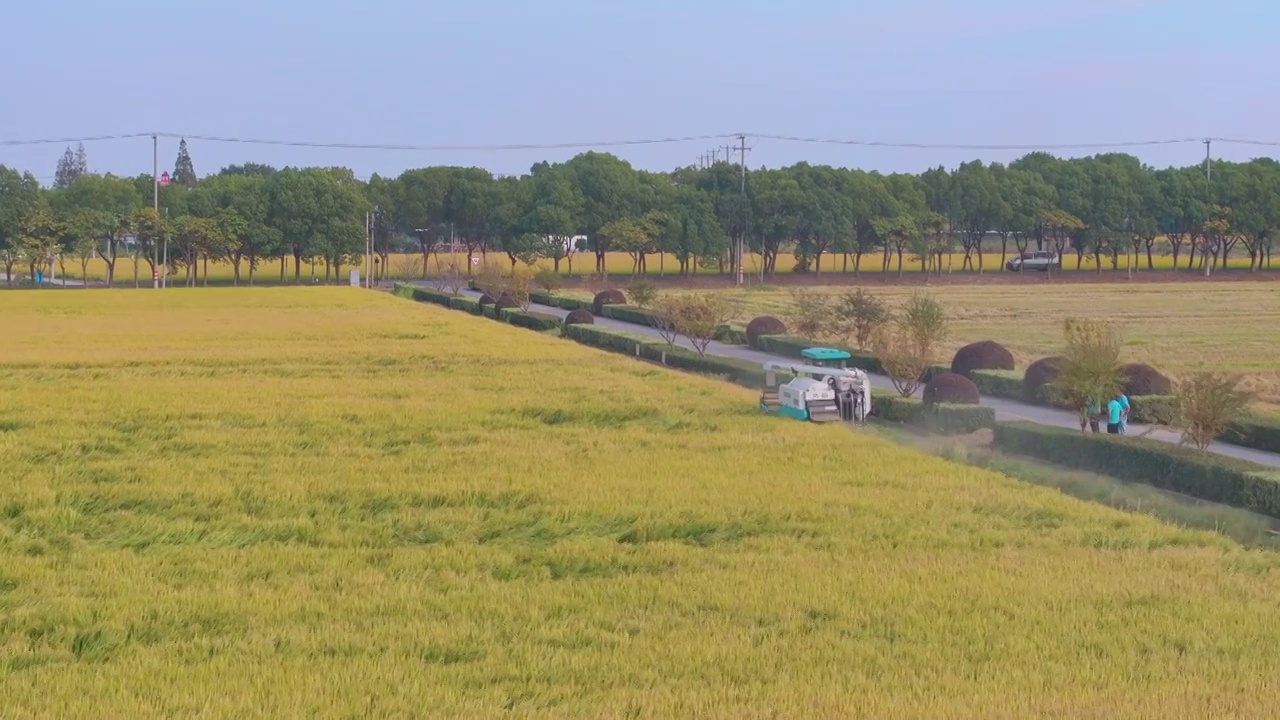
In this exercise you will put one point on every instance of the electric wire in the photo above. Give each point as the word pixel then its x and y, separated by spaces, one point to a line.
pixel 637 142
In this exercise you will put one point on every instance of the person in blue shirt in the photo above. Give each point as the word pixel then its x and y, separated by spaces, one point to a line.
pixel 1124 412
pixel 1115 413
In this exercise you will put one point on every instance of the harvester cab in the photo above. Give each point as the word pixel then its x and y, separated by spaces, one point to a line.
pixel 825 391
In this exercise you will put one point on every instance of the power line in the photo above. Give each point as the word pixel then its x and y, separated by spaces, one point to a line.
pixel 955 146
pixel 643 141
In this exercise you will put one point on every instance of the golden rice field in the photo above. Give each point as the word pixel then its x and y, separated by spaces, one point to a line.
pixel 409 266
pixel 287 503
pixel 1173 326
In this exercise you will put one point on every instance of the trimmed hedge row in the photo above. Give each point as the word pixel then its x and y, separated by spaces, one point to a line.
pixel 564 303
pixel 942 419
pixel 999 383
pixel 531 320
pixel 1254 432
pixel 1172 467
pixel 628 313
pixel 514 316
pixel 739 372
pixel 1153 409
pixel 729 335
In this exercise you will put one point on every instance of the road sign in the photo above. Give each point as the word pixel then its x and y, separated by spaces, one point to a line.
pixel 475 261
pixel 155 275
pixel 164 179
pixel 355 278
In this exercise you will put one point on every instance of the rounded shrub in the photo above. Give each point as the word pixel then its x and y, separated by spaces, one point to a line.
pixel 505 301
pixel 580 317
pixel 1040 373
pixel 764 325
pixel 485 299
pixel 950 388
pixel 607 297
pixel 1143 379
pixel 984 355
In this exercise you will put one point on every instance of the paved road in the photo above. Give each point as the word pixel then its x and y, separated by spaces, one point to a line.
pixel 4 278
pixel 1005 409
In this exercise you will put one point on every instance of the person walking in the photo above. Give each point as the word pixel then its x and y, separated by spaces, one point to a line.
pixel 1115 413
pixel 1124 412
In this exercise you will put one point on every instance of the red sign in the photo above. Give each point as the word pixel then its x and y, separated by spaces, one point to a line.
pixel 155 276
pixel 164 179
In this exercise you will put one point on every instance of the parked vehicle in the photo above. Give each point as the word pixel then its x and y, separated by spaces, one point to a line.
pixel 1038 260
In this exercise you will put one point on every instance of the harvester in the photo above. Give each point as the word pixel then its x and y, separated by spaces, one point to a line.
pixel 823 391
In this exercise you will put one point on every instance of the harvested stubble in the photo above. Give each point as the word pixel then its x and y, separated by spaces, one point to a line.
pixel 329 502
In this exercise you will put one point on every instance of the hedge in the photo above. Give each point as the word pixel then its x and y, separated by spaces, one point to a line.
pixel 732 336
pixel 1172 467
pixel 421 294
pixel 740 372
pixel 564 303
pixel 1000 383
pixel 531 320
pixel 1254 432
pixel 1153 409
pixel 628 313
pixel 941 419
pixel 465 304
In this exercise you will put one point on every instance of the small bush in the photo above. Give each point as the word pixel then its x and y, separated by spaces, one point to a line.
pixel 984 355
pixel 642 293
pixel 547 279
pixel 1142 379
pixel 863 315
pixel 607 297
pixel 580 317
pixel 813 316
pixel 1207 402
pixel 950 388
pixel 1038 376
pixel 764 325
pixel 505 302
pixel 485 299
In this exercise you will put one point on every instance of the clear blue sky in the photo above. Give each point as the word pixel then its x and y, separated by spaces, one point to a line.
pixel 502 72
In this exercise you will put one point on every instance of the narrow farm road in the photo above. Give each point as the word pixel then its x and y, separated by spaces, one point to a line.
pixel 1005 409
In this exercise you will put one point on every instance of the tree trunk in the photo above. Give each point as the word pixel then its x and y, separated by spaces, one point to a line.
pixel 135 269
pixel 282 264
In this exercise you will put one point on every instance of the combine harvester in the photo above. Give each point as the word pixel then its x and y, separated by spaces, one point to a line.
pixel 825 391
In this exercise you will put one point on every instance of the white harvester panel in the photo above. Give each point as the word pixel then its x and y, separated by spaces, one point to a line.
pixel 806 399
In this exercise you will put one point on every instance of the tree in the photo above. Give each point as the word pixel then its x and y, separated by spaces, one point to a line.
pixel 1090 373
pixel 862 315
pixel 113 201
pixel 906 346
pixel 812 314
pixel 252 215
pixel 610 190
pixel 71 166
pixel 699 316
pixel 195 237
pixel 149 231
pixel 1207 402
pixel 18 192
pixel 184 172
pixel 416 207
pixel 979 206
pixel 39 236
pixel 690 230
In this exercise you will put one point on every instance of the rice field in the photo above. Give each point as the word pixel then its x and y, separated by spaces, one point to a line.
pixel 408 266
pixel 329 502
pixel 1175 327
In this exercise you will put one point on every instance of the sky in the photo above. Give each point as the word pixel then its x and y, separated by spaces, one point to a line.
pixel 491 72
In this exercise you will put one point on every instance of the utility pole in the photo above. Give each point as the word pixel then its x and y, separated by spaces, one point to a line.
pixel 155 199
pixel 1208 163
pixel 742 236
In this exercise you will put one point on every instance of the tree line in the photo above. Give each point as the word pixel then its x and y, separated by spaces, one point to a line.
pixel 1096 208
